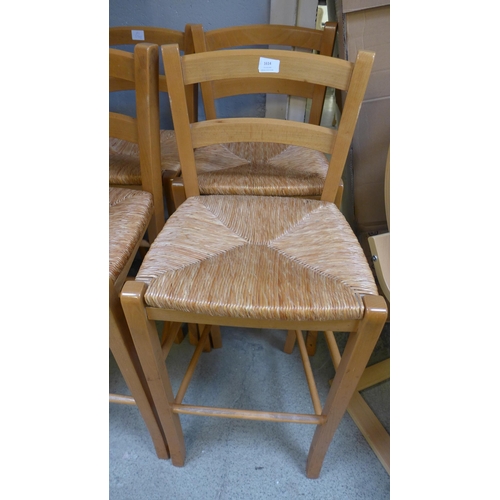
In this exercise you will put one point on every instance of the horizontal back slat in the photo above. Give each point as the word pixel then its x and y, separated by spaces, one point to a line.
pixel 123 127
pixel 226 88
pixel 268 34
pixel 122 35
pixel 121 65
pixel 262 130
pixel 327 71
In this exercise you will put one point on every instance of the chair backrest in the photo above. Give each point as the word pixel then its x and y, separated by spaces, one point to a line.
pixel 140 69
pixel 308 39
pixel 132 35
pixel 244 64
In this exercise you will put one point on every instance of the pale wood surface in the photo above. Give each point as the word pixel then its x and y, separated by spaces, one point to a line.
pixel 197 270
pixel 122 35
pixel 269 178
pixel 124 80
pixel 244 63
pixel 122 347
pixel 141 69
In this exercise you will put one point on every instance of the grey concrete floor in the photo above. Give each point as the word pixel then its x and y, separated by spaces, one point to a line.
pixel 232 459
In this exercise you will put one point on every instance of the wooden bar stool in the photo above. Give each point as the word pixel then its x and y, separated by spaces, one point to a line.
pixel 258 261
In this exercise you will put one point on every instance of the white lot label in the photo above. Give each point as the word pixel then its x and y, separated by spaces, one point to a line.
pixel 137 34
pixel 269 65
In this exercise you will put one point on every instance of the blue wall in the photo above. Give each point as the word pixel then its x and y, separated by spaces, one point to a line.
pixel 176 14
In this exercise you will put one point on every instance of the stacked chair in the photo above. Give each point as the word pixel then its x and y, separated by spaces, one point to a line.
pixel 124 169
pixel 256 168
pixel 131 211
pixel 252 260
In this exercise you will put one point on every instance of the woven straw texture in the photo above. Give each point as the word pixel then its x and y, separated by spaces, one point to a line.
pixel 265 169
pixel 129 214
pixel 124 165
pixel 258 257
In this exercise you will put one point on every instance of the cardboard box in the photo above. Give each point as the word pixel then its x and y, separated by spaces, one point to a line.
pixel 365 25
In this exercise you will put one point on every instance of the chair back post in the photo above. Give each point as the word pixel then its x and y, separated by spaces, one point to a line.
pixel 355 94
pixel 148 121
pixel 191 90
pixel 318 99
pixel 200 45
pixel 140 70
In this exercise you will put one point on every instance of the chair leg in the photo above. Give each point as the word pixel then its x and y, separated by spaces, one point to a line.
pixel 354 360
pixel 122 347
pixel 290 342
pixel 367 422
pixel 147 343
pixel 215 336
pixel 310 342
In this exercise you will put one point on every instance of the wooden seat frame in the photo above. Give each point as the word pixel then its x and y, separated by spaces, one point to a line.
pixel 365 330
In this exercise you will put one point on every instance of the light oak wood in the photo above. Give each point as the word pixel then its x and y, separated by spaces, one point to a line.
pixel 122 347
pixel 215 85
pixel 141 70
pixel 264 416
pixel 121 399
pixel 120 37
pixel 151 357
pixel 192 365
pixel 336 143
pixel 369 425
pixel 355 307
pixel 293 37
pixel 309 374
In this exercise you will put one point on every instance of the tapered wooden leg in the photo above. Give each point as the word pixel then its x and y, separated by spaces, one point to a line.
pixel 122 347
pixel 147 344
pixel 193 334
pixel 290 342
pixel 357 352
pixel 369 425
pixel 311 343
pixel 215 337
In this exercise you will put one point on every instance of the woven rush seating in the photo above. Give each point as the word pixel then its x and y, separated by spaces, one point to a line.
pixel 129 214
pixel 261 169
pixel 283 263
pixel 124 163
pixel 258 268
